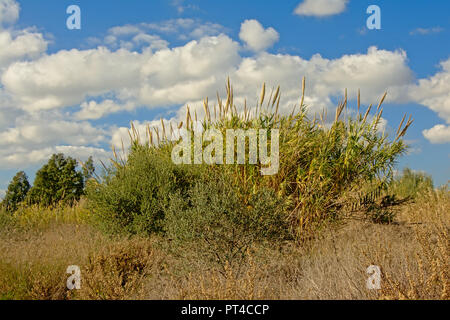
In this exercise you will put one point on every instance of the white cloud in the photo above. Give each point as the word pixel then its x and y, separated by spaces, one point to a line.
pixel 31 133
pixel 320 8
pixel 20 45
pixel 9 11
pixel 434 92
pixel 67 77
pixel 424 31
pixel 372 72
pixel 93 110
pixel 32 138
pixel 124 30
pixel 188 72
pixel 438 134
pixel 130 38
pixel 191 72
pixel 171 26
pixel 24 158
pixel 256 37
pixel 184 29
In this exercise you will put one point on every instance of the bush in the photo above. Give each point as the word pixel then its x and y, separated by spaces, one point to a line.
pixel 221 223
pixel 410 183
pixel 117 273
pixel 321 163
pixel 133 196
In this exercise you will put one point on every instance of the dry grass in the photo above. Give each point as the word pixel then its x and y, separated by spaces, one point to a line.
pixel 413 255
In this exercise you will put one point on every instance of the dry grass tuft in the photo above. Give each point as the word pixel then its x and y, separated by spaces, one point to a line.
pixel 118 271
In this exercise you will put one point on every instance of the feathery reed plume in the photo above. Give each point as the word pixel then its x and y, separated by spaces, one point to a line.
pixel 277 92
pixel 269 100
pixel 339 109
pixel 188 117
pixel 157 135
pixel 303 91
pixel 359 100
pixel 367 113
pixel 245 109
pixel 277 107
pixel 114 151
pixel 163 129
pixel 408 124
pixel 263 94
pixel 401 124
pixel 205 106
pixel 381 101
pixel 149 135
pixel 377 121
pixel 219 101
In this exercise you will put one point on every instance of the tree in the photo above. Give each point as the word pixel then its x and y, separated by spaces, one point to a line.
pixel 88 169
pixel 17 191
pixel 57 181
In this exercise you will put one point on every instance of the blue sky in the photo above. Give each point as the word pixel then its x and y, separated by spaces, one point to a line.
pixel 76 91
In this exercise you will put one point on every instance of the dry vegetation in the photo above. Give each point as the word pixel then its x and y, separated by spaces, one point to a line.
pixel 150 229
pixel 413 254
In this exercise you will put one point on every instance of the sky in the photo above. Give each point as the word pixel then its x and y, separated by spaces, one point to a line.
pixel 76 91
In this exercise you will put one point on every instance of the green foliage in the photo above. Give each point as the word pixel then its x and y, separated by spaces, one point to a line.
pixel 17 191
pixel 134 195
pixel 411 183
pixel 221 223
pixel 88 169
pixel 57 181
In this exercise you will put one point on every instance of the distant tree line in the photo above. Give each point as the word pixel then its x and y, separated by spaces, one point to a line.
pixel 58 181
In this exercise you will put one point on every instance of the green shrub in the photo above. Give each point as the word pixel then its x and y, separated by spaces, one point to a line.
pixel 410 183
pixel 221 223
pixel 135 194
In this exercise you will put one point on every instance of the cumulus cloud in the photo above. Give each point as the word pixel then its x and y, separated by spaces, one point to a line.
pixel 438 134
pixel 320 8
pixel 256 37
pixel 67 77
pixel 19 46
pixel 31 133
pixel 434 92
pixel 23 158
pixel 183 29
pixel 32 138
pixel 191 72
pixel 9 11
pixel 188 72
pixel 93 110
